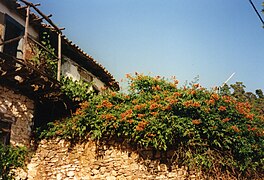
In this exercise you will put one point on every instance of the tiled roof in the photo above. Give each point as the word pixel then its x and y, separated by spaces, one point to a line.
pixel 98 69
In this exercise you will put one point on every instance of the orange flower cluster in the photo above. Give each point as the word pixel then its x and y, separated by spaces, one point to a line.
pixel 249 116
pixel 127 114
pixel 177 94
pixel 168 107
pixel 139 107
pixel 251 129
pixel 113 94
pixel 128 76
pixel 135 101
pixel 83 106
pixel 154 106
pixel 192 92
pixel 171 100
pixel 235 129
pixel 141 115
pixel 226 120
pixel 228 99
pixel 243 108
pixel 222 108
pixel 105 103
pixel 191 104
pixel 215 96
pixel 156 88
pixel 79 111
pixel 210 102
pixel 196 122
pixel 141 125
pixel 108 117
pixel 196 85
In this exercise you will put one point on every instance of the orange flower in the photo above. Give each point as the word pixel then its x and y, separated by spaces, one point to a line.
pixel 84 104
pixel 187 103
pixel 141 125
pixel 192 92
pixel 113 94
pixel 177 94
pixel 151 135
pixel 210 102
pixel 226 120
pixel 250 116
pixel 196 122
pixel 127 114
pixel 191 104
pixel 107 104
pixel 222 108
pixel 135 101
pixel 108 117
pixel 176 82
pixel 130 121
pixel 141 115
pixel 215 97
pixel 153 106
pixel 196 104
pixel 168 107
pixel 196 85
pixel 154 113
pixel 235 129
pixel 128 76
pixel 140 106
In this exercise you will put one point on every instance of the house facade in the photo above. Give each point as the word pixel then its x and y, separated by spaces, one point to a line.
pixel 29 95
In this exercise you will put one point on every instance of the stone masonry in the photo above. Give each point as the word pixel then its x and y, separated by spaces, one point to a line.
pixel 19 110
pixel 59 160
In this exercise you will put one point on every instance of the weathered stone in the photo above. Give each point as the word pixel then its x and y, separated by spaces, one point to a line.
pixel 70 173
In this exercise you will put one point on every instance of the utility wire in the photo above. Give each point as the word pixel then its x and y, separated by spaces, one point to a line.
pixel 254 7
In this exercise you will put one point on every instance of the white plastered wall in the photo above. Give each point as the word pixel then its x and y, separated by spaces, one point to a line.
pixel 70 69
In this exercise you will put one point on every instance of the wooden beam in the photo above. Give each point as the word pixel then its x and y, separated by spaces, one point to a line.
pixel 11 40
pixel 42 14
pixel 26 33
pixel 59 56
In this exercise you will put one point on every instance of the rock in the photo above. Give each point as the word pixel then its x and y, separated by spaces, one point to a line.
pixel 111 178
pixel 70 173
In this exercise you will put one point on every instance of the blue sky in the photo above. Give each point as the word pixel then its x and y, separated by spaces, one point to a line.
pixel 184 38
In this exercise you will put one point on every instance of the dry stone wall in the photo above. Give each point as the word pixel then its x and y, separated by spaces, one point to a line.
pixel 59 160
pixel 19 110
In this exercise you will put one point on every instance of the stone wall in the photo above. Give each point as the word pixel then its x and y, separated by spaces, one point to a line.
pixel 57 159
pixel 18 109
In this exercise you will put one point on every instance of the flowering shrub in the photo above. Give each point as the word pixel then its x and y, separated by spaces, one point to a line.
pixel 209 131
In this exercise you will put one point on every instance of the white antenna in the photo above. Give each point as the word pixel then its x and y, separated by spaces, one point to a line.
pixel 228 79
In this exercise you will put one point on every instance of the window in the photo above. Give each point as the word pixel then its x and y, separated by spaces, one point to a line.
pixel 5 131
pixel 12 30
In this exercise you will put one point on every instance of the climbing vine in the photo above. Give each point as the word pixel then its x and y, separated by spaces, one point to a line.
pixel 209 131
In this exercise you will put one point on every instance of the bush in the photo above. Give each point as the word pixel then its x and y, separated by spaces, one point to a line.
pixel 211 132
pixel 10 158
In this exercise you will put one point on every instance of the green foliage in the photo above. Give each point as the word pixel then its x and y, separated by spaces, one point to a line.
pixel 212 132
pixel 11 158
pixel 76 90
pixel 43 59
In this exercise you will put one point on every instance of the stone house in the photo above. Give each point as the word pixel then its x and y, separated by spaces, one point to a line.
pixel 29 95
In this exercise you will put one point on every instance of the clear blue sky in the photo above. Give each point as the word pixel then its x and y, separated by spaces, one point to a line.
pixel 185 38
